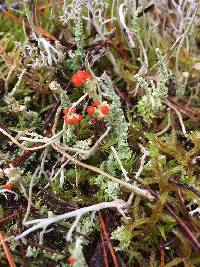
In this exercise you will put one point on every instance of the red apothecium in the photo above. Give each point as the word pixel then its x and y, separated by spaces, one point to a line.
pixel 79 77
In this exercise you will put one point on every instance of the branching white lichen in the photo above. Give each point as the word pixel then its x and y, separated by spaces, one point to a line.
pixel 47 141
pixel 18 83
pixel 30 195
pixel 195 211
pixel 3 191
pixel 145 153
pixel 43 223
pixel 109 54
pixel 71 11
pixel 48 52
pixel 124 26
pixel 51 53
pixel 94 148
pixel 120 164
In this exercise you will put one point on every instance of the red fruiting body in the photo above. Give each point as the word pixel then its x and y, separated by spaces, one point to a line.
pixel 79 77
pixel 74 120
pixel 8 186
pixel 96 103
pixel 90 110
pixel 72 110
pixel 68 121
pixel 65 110
pixel 105 110
pixel 71 260
pixel 80 117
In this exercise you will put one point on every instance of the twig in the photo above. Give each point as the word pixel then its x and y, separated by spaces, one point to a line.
pixel 7 251
pixel 7 218
pixel 167 126
pixel 194 115
pixel 22 249
pixel 181 200
pixel 179 116
pixel 162 257
pixel 192 239
pixel 104 249
pixel 186 186
pixel 31 243
pixel 27 25
pixel 103 227
pixel 143 192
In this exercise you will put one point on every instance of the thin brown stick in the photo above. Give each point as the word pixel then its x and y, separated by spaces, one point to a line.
pixel 26 24
pixel 162 257
pixel 103 227
pixel 181 200
pixel 104 249
pixel 192 239
pixel 21 244
pixel 50 5
pixel 189 112
pixel 31 243
pixel 7 218
pixel 7 251
pixel 185 185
